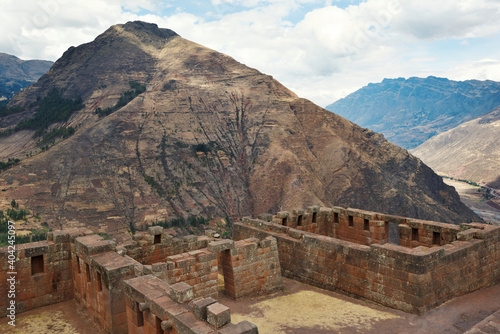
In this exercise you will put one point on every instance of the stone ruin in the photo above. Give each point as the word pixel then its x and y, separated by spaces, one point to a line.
pixel 156 283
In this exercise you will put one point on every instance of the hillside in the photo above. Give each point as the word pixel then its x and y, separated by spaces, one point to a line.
pixel 183 130
pixel 16 74
pixel 408 112
pixel 471 151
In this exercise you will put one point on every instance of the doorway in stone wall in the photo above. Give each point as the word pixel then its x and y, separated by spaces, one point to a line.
pixel 226 274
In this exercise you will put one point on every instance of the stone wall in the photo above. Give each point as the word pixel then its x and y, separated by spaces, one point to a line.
pixel 154 306
pixel 43 272
pixel 362 227
pixel 197 268
pixel 252 268
pixel 410 279
pixel 98 274
pixel 156 245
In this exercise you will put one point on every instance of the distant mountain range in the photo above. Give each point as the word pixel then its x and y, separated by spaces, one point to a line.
pixel 16 74
pixel 410 111
pixel 142 125
pixel 469 151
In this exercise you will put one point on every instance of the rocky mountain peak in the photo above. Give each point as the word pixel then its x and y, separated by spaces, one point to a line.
pixel 172 129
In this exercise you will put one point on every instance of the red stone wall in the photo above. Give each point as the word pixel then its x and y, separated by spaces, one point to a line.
pixel 423 233
pixel 53 285
pixel 197 268
pixel 144 249
pixel 255 268
pixel 98 273
pixel 358 226
pixel 413 280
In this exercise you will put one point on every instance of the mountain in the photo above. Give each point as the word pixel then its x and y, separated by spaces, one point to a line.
pixel 408 112
pixel 470 151
pixel 16 74
pixel 169 128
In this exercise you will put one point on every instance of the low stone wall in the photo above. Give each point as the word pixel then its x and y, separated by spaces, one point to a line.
pixel 43 272
pixel 156 245
pixel 154 306
pixel 197 268
pixel 410 279
pixel 255 268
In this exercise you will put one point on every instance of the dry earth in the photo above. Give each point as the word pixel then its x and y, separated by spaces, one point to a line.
pixel 489 210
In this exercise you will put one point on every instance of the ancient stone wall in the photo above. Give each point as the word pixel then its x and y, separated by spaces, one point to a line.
pixel 252 268
pixel 354 225
pixel 154 306
pixel 156 245
pixel 197 268
pixel 410 279
pixel 98 274
pixel 43 274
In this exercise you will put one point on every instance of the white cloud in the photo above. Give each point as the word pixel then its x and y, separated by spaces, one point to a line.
pixel 328 53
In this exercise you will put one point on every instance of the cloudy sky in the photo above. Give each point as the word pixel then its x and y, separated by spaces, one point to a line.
pixel 321 49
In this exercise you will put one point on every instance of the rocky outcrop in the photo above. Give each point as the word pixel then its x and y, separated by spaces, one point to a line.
pixel 470 151
pixel 209 136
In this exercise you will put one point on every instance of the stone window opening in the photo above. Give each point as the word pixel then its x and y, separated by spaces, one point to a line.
pixel 336 217
pixel 158 328
pixel 299 220
pixel 99 282
pixel 140 316
pixel 284 221
pixel 157 239
pixel 366 225
pixel 436 238
pixel 78 269
pixel 351 221
pixel 414 234
pixel 87 270
pixel 314 217
pixel 36 264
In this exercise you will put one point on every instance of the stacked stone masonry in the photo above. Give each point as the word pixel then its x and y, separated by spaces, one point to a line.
pixel 348 250
pixel 157 283
pixel 114 287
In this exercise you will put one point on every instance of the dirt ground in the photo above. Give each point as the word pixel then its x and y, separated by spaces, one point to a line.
pixel 488 210
pixel 302 309
pixel 63 318
pixel 298 309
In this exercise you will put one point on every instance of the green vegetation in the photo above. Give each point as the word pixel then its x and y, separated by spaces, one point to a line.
pixel 125 98
pixel 11 162
pixel 35 235
pixel 193 221
pixel 205 148
pixel 152 182
pixel 4 111
pixel 62 132
pixel 52 108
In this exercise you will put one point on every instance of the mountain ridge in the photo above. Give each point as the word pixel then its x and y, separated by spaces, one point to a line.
pixel 469 151
pixel 16 74
pixel 410 111
pixel 208 136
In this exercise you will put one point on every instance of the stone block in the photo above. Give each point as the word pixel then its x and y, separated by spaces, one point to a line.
pixel 155 230
pixel 200 307
pixel 181 292
pixel 221 245
pixel 218 315
pixel 265 217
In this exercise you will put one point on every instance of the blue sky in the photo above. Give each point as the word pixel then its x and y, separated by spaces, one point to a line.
pixel 321 49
